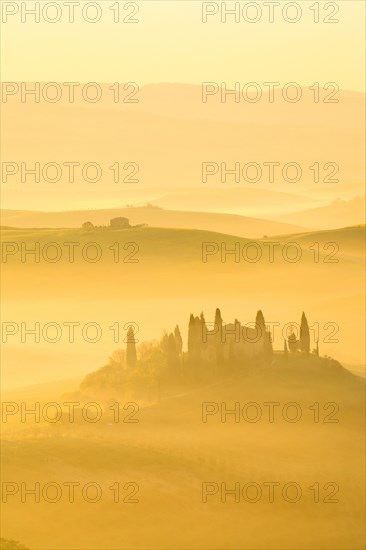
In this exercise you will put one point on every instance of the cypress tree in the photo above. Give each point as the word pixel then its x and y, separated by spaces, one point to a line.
pixel 194 338
pixel 203 332
pixel 265 336
pixel 260 323
pixel 219 343
pixel 198 336
pixel 304 335
pixel 190 343
pixel 178 340
pixel 218 320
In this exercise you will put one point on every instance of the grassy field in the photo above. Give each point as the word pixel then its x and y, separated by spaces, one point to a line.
pixel 170 453
pixel 169 281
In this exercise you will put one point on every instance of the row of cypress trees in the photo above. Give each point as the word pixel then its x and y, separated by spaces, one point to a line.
pixel 172 344
pixel 197 328
pixel 303 343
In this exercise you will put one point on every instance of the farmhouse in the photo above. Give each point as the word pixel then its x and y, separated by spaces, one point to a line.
pixel 120 223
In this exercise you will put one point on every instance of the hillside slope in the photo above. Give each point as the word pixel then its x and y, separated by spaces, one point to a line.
pixel 338 213
pixel 170 453
pixel 156 217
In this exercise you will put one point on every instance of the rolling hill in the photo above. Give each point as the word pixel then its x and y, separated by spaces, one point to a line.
pixel 153 216
pixel 337 214
pixel 173 276
pixel 170 454
pixel 169 133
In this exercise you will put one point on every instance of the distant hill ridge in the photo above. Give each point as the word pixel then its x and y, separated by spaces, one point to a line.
pixel 153 216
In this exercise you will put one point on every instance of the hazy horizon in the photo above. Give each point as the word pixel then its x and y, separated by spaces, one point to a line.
pixel 182 227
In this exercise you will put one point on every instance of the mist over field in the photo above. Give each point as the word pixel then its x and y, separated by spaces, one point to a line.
pixel 183 276
pixel 161 448
pixel 159 278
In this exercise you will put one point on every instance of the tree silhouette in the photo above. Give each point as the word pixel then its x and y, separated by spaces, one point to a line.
pixel 178 340
pixel 194 338
pixel 218 320
pixel 265 337
pixel 172 352
pixel 292 342
pixel 304 335
pixel 202 317
pixel 218 336
pixel 268 348
pixel 88 226
pixel 118 357
pixel 131 355
pixel 7 544
pixel 260 323
pixel 191 336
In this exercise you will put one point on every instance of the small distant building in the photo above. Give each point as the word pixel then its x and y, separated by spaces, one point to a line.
pixel 120 223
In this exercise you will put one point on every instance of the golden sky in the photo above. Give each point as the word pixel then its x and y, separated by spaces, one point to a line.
pixel 170 43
